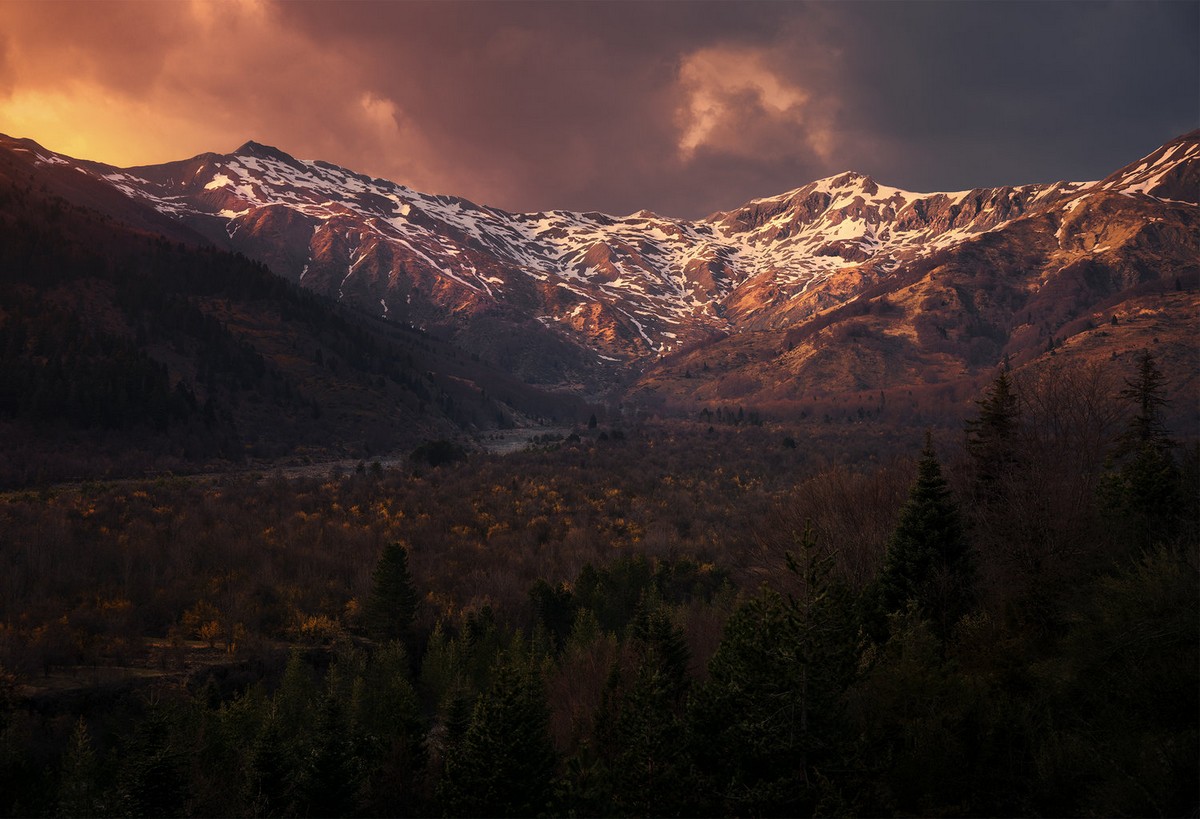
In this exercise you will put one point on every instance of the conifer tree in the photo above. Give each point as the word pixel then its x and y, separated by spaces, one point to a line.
pixel 504 764
pixel 820 618
pixel 1142 493
pixel 991 436
pixel 294 701
pixel 392 604
pixel 908 712
pixel 442 675
pixel 386 715
pixel 745 714
pixel 1146 393
pixel 78 789
pixel 656 637
pixel 928 560
pixel 329 776
pixel 270 769
pixel 1126 706
pixel 643 730
pixel 554 609
pixel 768 718
pixel 152 780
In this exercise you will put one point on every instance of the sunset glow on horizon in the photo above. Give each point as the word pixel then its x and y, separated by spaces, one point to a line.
pixel 607 106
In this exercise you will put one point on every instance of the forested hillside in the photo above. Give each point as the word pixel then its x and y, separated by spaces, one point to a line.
pixel 124 351
pixel 1003 622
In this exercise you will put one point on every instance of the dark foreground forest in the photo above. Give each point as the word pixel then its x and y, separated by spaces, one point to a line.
pixel 653 620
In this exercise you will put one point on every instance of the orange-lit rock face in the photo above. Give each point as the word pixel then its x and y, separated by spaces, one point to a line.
pixel 844 282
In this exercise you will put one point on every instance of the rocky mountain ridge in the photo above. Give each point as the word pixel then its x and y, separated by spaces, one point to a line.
pixel 570 298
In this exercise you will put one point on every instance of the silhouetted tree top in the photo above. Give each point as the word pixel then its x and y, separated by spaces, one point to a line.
pixel 1147 393
pixel 991 435
pixel 393 601
pixel 928 560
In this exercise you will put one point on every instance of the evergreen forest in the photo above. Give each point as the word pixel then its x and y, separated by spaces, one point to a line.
pixel 646 619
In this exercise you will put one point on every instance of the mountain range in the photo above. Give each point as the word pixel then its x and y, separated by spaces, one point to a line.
pixel 839 287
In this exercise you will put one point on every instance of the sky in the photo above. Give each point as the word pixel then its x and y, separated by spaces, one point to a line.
pixel 683 108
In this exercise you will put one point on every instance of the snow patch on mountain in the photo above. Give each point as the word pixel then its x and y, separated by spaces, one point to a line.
pixel 671 279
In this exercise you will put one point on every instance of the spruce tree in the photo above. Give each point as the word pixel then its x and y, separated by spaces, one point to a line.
pixel 1125 702
pixel 294 703
pixel 745 716
pixel 928 560
pixel 1142 492
pixel 270 769
pixel 768 718
pixel 390 609
pixel 387 718
pixel 329 776
pixel 643 730
pixel 152 779
pixel 1147 394
pixel 656 637
pixel 79 788
pixel 991 437
pixel 554 609
pixel 909 713
pixel 504 764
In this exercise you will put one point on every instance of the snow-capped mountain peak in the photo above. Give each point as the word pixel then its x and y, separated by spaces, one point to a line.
pixel 627 287
pixel 1170 173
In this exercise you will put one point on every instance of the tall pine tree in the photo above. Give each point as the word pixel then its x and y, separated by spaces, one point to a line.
pixel 992 437
pixel 1142 492
pixel 79 786
pixel 270 768
pixel 392 604
pixel 642 727
pixel 387 717
pixel 152 779
pixel 329 774
pixel 928 560
pixel 504 764
pixel 1147 395
pixel 768 719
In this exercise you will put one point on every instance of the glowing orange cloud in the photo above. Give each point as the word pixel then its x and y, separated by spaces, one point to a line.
pixel 735 103
pixel 177 79
pixel 684 108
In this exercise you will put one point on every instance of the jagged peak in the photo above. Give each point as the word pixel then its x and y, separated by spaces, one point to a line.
pixel 257 149
pixel 1190 138
pixel 845 181
pixel 1183 147
pixel 1168 172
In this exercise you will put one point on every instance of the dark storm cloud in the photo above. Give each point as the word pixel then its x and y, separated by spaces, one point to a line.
pixel 584 105
pixel 973 94
pixel 534 106
pixel 579 105
pixel 682 108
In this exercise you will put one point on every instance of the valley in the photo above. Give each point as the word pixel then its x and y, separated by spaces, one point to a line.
pixel 448 408
pixel 324 496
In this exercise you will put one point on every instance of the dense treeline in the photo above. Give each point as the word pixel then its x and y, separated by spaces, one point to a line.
pixel 179 355
pixel 56 371
pixel 665 622
pixel 103 328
